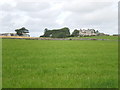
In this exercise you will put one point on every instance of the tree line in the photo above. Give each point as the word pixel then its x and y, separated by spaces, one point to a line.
pixel 56 33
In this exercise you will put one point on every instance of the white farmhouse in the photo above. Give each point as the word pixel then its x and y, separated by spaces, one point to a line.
pixel 8 34
pixel 14 34
pixel 88 32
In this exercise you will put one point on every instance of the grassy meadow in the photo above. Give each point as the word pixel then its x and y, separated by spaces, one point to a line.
pixel 59 64
pixel 99 37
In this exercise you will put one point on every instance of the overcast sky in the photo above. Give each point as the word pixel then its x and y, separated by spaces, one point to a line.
pixel 36 15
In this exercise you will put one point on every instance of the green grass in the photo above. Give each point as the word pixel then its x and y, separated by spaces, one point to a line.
pixel 60 64
pixel 99 37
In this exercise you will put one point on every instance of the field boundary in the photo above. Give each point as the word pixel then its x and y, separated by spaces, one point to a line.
pixel 41 38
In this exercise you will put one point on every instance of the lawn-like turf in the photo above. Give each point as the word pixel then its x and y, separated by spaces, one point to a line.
pixel 99 37
pixel 59 64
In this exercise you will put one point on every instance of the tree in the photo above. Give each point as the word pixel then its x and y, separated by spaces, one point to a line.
pixel 57 33
pixel 75 33
pixel 47 33
pixel 21 31
pixel 45 30
pixel 97 32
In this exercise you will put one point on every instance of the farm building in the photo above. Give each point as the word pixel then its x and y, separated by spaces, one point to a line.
pixel 84 32
pixel 8 34
pixel 88 32
pixel 19 32
pixel 14 34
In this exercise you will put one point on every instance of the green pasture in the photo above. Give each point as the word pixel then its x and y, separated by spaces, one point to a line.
pixel 99 37
pixel 59 64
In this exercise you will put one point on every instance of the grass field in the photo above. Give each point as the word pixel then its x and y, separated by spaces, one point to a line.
pixel 59 64
pixel 100 37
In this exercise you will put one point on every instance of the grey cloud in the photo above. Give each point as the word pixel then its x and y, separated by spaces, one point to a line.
pixel 44 14
pixel 57 14
pixel 6 7
pixel 32 6
pixel 105 18
pixel 86 7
